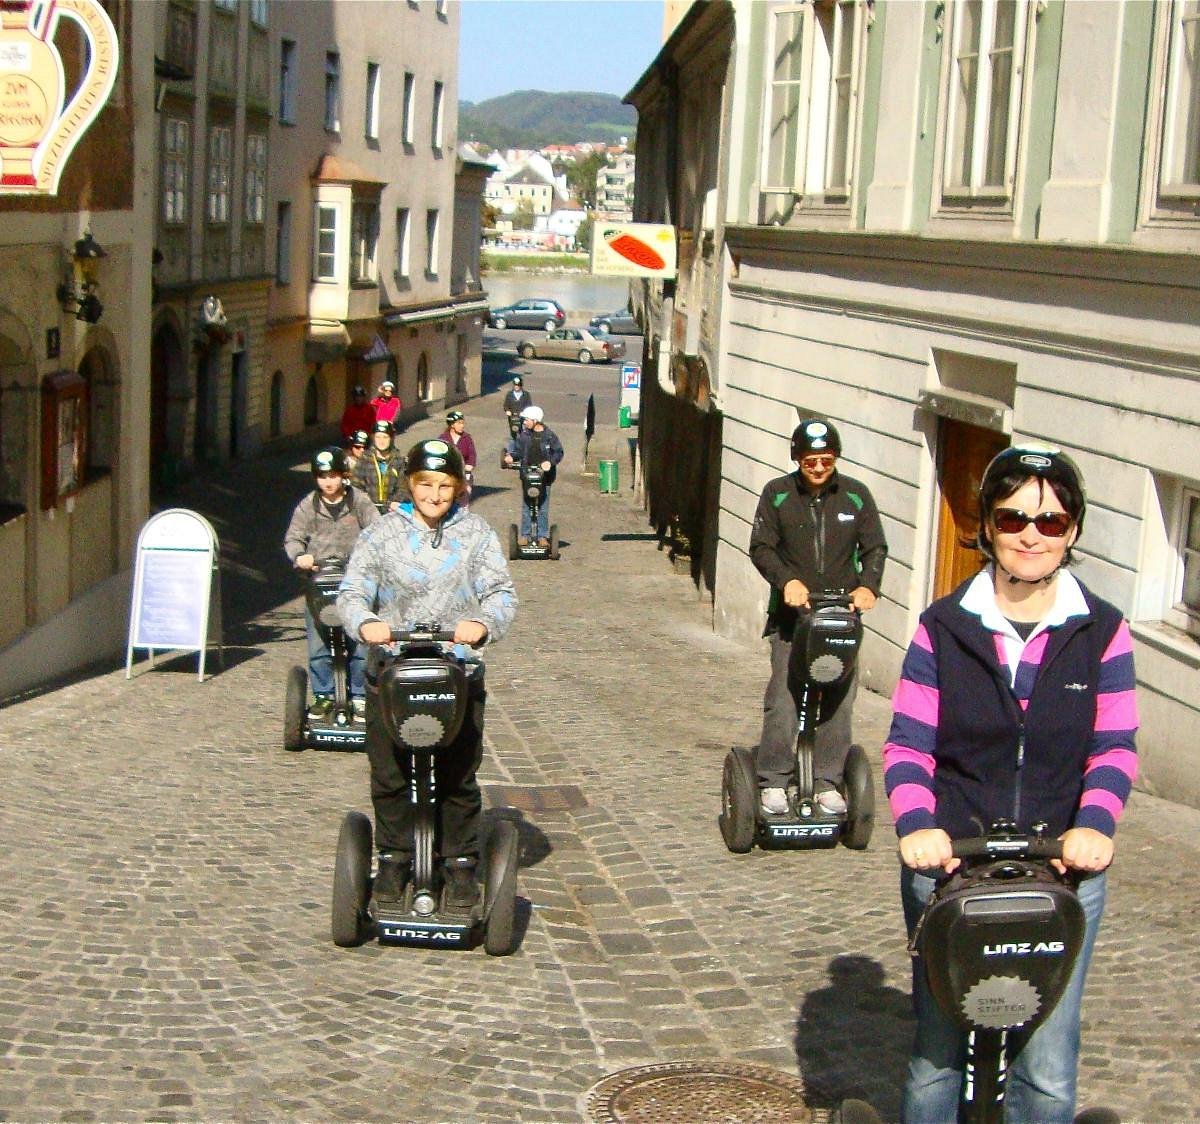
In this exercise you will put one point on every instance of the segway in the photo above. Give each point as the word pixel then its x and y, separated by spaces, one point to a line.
pixel 514 427
pixel 824 649
pixel 423 692
pixel 533 491
pixel 998 939
pixel 338 730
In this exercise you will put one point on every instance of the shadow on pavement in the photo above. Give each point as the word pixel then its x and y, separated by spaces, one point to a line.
pixel 854 1027
pixel 532 843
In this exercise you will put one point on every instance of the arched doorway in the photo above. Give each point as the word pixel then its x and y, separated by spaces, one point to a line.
pixel 168 374
pixel 423 378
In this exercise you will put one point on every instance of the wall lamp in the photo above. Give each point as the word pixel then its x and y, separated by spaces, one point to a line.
pixel 77 293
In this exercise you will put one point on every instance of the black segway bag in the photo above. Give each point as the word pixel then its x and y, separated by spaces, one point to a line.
pixel 423 699
pixel 999 942
pixel 323 585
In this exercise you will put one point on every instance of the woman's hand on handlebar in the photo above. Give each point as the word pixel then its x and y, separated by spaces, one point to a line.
pixel 1084 848
pixel 862 599
pixel 472 633
pixel 928 848
pixel 375 632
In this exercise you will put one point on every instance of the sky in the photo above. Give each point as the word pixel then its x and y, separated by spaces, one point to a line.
pixel 595 46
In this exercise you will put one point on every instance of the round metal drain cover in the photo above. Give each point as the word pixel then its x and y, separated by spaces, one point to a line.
pixel 686 1092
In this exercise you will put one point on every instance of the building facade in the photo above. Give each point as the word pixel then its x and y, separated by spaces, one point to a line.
pixel 74 370
pixel 947 227
pixel 614 188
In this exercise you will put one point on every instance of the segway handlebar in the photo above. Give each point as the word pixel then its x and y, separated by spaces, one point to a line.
pixel 423 634
pixel 1007 847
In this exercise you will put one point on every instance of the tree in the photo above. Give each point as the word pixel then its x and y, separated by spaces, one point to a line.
pixel 487 215
pixel 581 177
pixel 583 236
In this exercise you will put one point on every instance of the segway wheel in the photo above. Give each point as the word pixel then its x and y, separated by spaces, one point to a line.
pixel 1098 1116
pixel 351 881
pixel 513 551
pixel 858 1112
pixel 860 800
pixel 739 792
pixel 554 541
pixel 500 897
pixel 294 705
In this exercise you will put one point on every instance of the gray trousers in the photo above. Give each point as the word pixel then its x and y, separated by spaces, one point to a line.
pixel 776 747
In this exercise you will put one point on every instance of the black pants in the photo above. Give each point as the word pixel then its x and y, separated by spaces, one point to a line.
pixel 459 801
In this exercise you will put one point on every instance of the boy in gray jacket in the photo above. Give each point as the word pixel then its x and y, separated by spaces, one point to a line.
pixel 326 524
pixel 429 562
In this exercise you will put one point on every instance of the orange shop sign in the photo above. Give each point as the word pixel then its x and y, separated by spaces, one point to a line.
pixel 39 125
pixel 633 249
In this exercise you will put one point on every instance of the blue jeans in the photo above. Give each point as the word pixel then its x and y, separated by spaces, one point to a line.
pixel 543 519
pixel 1043 1065
pixel 320 661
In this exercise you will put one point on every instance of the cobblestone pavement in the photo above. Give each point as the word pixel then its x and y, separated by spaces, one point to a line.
pixel 165 874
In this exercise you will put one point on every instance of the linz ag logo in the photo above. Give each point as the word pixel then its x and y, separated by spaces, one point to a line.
pixel 442 936
pixel 1025 948
pixel 434 696
pixel 804 831
pixel 348 738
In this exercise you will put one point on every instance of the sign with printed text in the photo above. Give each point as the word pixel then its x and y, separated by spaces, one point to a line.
pixel 41 121
pixel 633 249
pixel 174 577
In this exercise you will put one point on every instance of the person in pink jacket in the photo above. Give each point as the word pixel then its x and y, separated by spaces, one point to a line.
pixel 387 403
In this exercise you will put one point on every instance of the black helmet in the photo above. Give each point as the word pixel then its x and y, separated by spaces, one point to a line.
pixel 1011 467
pixel 359 437
pixel 453 416
pixel 815 435
pixel 383 427
pixel 331 459
pixel 435 455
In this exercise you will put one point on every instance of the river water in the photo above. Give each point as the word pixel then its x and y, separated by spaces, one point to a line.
pixel 578 293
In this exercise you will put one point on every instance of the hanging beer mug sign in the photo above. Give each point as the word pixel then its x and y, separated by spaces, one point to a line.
pixel 39 127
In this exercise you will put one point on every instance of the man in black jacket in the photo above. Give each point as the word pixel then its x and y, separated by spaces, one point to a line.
pixel 814 530
pixel 535 444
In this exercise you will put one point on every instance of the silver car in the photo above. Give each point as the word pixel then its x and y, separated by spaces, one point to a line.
pixel 621 323
pixel 572 343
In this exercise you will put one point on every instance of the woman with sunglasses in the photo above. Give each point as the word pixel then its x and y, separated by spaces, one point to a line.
pixel 1015 702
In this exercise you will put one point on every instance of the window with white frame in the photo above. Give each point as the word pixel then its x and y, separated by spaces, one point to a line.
pixel 220 165
pixel 432 223
pixel 176 156
pixel 983 99
pixel 333 91
pixel 408 107
pixel 364 237
pixel 287 81
pixel 403 242
pixel 812 124
pixel 226 5
pixel 439 94
pixel 256 177
pixel 1179 165
pixel 283 242
pixel 325 224
pixel 1186 604
pixel 371 127
pixel 258 12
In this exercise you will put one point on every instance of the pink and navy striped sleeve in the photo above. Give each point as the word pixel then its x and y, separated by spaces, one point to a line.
pixel 1112 757
pixel 908 759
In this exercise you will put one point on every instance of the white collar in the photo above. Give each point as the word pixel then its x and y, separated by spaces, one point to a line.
pixel 980 599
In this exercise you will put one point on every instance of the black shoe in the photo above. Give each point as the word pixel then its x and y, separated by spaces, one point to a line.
pixel 462 891
pixel 392 878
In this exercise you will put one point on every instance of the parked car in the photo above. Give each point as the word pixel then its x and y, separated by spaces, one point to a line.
pixel 529 313
pixel 620 323
pixel 572 343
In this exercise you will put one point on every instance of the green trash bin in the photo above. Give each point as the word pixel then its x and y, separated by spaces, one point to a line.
pixel 623 417
pixel 608 476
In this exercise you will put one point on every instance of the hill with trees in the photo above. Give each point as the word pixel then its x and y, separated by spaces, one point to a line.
pixel 533 118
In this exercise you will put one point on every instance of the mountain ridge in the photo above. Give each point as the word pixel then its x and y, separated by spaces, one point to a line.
pixel 535 118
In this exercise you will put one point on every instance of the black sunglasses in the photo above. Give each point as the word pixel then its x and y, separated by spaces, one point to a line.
pixel 1012 521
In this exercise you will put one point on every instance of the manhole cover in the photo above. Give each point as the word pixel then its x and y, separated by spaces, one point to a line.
pixel 687 1092
pixel 536 798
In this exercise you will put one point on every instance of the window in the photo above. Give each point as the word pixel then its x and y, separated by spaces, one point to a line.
pixel 431 241
pixel 226 5
pixel 1187 582
pixel 1179 169
pixel 410 93
pixel 312 413
pixel 256 177
pixel 441 8
pixel 984 97
pixel 424 392
pixel 371 129
pixel 333 91
pixel 283 243
pixel 325 243
pixel 276 404
pixel 812 128
pixel 403 242
pixel 181 39
pixel 220 153
pixel 258 12
pixel 439 91
pixel 176 135
pixel 287 81
pixel 364 235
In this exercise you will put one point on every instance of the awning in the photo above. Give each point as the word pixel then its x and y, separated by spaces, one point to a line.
pixel 325 343
pixel 377 352
pixel 440 312
pixel 964 406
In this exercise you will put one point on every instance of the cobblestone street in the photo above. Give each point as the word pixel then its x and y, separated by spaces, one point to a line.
pixel 166 869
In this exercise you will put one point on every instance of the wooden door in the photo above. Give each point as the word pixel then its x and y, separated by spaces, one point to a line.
pixel 963 453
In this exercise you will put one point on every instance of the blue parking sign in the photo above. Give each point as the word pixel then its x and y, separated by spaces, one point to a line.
pixel 631 376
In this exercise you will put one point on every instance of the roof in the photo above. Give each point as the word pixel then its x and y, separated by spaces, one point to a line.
pixel 337 169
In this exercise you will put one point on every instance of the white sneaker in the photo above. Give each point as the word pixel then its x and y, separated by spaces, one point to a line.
pixel 831 802
pixel 358 707
pixel 775 801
